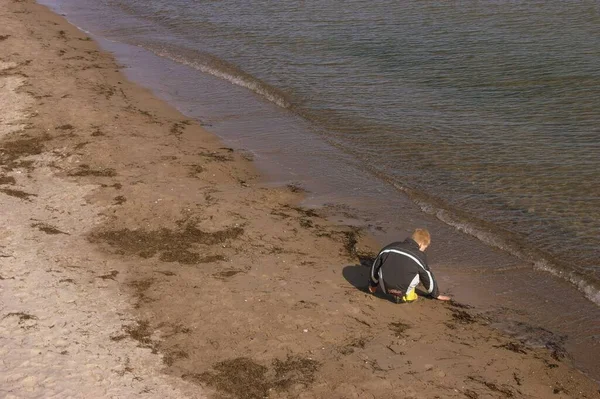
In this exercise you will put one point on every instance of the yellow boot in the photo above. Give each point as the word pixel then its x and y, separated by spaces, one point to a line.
pixel 410 297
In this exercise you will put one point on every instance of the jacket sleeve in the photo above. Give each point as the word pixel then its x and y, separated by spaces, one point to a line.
pixel 428 281
pixel 374 277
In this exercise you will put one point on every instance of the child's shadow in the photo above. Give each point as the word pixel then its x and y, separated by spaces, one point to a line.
pixel 358 275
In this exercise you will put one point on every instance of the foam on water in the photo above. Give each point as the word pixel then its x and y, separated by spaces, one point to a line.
pixel 212 65
pixel 589 289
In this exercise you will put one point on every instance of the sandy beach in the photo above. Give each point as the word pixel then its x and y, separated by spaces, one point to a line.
pixel 140 257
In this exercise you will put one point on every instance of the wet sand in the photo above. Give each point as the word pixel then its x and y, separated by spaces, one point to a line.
pixel 140 257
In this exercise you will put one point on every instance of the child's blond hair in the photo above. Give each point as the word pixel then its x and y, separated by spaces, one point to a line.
pixel 422 237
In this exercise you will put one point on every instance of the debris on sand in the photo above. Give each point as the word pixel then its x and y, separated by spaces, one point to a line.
pixel 398 328
pixel 21 315
pixel 225 274
pixel 7 180
pixel 513 347
pixel 245 379
pixel 462 317
pixel 85 170
pixel 48 229
pixel 11 151
pixel 350 239
pixel 172 245
pixel 506 392
pixel 17 193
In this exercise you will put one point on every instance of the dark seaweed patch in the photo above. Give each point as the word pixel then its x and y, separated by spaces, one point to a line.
pixel 507 393
pixel 195 170
pixel 517 379
pixel 81 145
pixel 85 170
pixel 17 193
pixel 361 321
pixel 306 223
pixel 225 274
pixel 557 351
pixel 296 188
pixel 359 342
pixel 294 370
pixel 471 394
pixel 46 228
pixel 459 305
pixel 140 332
pixel 178 127
pixel 107 91
pixel 214 156
pixel 7 180
pixel 280 214
pixel 21 315
pixel 462 317
pixel 513 347
pixel 140 287
pixel 171 356
pixel 97 132
pixel 304 211
pixel 10 151
pixel 398 328
pixel 110 276
pixel 350 239
pixel 173 246
pixel 243 378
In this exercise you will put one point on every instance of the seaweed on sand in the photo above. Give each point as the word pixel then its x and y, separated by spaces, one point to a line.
pixel 85 170
pixel 7 180
pixel 11 151
pixel 243 378
pixel 172 245
pixel 398 328
pixel 17 193
pixel 462 317
pixel 48 229
pixel 350 239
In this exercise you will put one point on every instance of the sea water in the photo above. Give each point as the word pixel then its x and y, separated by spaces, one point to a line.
pixel 484 115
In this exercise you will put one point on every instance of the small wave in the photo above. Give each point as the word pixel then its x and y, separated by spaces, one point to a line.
pixel 208 63
pixel 588 289
pixel 503 240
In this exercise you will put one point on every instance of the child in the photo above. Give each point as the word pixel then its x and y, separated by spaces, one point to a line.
pixel 401 266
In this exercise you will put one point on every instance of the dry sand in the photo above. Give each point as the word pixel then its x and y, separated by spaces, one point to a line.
pixel 140 258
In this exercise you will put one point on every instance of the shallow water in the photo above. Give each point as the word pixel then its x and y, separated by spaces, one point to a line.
pixel 487 117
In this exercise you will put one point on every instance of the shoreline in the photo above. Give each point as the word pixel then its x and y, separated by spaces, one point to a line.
pixel 171 267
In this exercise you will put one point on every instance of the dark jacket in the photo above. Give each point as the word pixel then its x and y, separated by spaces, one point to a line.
pixel 402 266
